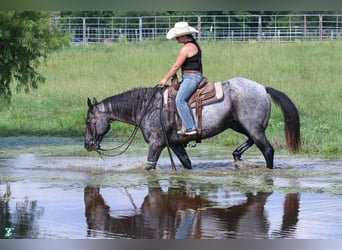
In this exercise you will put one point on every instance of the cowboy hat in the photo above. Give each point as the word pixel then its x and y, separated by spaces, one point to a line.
pixel 180 29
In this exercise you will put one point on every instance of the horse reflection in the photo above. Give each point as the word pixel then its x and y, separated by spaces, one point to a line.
pixel 176 214
pixel 249 220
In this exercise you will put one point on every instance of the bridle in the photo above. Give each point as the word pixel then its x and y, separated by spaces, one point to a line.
pixel 95 141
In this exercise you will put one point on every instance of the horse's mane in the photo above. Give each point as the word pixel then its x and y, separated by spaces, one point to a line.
pixel 127 101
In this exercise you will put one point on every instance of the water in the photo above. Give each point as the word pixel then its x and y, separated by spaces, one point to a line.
pixel 78 197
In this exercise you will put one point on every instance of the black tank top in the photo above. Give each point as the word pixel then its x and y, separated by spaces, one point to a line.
pixel 194 62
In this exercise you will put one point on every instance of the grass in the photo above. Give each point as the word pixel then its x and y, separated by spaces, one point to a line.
pixel 308 72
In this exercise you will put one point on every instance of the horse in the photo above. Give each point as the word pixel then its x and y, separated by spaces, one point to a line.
pixel 244 108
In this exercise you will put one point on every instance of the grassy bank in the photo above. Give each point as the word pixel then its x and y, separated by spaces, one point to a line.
pixel 309 73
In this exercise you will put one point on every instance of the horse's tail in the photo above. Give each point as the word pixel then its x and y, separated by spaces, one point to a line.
pixel 291 118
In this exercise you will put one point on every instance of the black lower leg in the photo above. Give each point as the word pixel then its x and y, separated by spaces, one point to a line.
pixel 267 150
pixel 241 149
pixel 180 152
pixel 269 155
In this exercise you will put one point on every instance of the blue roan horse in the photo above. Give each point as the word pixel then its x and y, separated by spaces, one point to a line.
pixel 244 108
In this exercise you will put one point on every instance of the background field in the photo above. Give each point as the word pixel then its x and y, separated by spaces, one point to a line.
pixel 309 73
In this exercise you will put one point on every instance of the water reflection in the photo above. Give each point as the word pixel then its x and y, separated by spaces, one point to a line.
pixel 20 223
pixel 180 213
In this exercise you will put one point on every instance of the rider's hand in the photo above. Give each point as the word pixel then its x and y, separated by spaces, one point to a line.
pixel 162 83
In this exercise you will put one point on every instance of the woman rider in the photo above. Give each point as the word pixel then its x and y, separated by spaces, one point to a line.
pixel 190 61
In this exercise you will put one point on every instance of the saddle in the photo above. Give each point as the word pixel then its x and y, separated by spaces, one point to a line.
pixel 206 93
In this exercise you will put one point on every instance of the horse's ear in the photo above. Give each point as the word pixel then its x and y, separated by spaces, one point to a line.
pixel 90 105
pixel 94 101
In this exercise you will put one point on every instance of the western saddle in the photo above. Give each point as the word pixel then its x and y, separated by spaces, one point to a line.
pixel 206 93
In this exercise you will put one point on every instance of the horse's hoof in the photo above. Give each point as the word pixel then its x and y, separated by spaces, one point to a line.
pixel 150 165
pixel 150 168
pixel 237 157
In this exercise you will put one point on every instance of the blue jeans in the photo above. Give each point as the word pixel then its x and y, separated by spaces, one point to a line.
pixel 188 86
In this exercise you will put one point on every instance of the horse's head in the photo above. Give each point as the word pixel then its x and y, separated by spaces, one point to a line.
pixel 97 125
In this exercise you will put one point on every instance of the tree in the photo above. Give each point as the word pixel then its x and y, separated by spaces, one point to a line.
pixel 26 38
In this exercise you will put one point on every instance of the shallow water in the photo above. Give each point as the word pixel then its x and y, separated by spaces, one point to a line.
pixel 62 195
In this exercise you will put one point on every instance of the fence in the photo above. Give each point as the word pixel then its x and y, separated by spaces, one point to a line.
pixel 233 28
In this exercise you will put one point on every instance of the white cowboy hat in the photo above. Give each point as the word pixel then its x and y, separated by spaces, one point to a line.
pixel 180 29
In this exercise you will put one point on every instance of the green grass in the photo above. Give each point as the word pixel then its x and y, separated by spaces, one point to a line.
pixel 308 72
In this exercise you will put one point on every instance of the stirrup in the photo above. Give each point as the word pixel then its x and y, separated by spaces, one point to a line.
pixel 191 132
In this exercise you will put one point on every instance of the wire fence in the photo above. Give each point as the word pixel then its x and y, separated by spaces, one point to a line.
pixel 232 28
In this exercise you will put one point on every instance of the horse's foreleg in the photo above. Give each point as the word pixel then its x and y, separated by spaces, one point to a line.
pixel 182 155
pixel 241 149
pixel 154 152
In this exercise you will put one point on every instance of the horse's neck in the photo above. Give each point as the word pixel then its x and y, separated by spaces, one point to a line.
pixel 126 107
pixel 123 114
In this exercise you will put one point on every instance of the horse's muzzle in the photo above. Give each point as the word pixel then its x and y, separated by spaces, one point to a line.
pixel 92 146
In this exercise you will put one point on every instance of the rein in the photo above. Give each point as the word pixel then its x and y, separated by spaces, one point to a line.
pixel 130 139
pixel 165 135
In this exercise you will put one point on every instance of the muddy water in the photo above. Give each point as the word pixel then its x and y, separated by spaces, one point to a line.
pixel 52 190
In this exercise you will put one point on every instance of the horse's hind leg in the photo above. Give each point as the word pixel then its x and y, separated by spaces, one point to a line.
pixel 265 147
pixel 241 149
pixel 182 155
